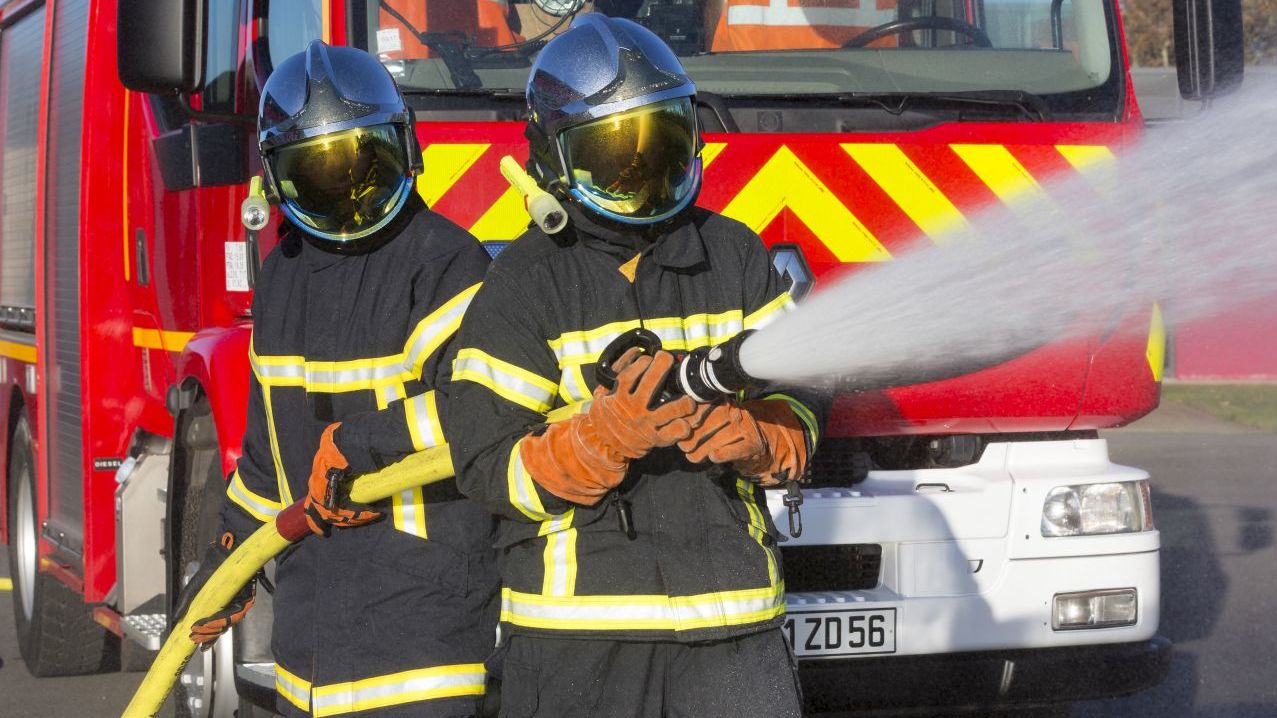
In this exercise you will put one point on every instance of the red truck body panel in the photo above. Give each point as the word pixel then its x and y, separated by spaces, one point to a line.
pixel 155 311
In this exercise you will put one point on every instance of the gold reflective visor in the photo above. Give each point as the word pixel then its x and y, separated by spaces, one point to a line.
pixel 634 164
pixel 344 185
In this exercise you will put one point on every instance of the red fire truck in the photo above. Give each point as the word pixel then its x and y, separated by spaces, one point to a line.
pixel 968 541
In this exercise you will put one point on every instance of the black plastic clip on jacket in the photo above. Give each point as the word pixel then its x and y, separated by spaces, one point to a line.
pixel 624 515
pixel 793 499
pixel 332 491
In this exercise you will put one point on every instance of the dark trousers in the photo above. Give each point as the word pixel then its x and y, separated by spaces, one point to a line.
pixel 743 677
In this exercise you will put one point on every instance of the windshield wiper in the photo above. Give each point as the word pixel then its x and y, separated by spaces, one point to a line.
pixel 1031 105
pixel 897 103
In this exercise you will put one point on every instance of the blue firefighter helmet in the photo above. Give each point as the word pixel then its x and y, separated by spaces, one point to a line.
pixel 337 141
pixel 613 122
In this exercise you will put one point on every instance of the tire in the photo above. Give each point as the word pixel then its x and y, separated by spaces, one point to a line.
pixel 57 635
pixel 249 710
pixel 206 686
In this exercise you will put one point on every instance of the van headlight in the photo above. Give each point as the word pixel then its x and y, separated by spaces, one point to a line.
pixel 1089 509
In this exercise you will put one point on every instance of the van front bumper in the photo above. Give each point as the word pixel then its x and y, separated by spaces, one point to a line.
pixel 919 685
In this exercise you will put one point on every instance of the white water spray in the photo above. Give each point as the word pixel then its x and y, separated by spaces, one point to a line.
pixel 1188 218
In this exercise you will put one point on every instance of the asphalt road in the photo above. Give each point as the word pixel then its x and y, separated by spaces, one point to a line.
pixel 1215 500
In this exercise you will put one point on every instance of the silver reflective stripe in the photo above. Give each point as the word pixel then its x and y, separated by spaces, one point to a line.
pixel 770 312
pixel 427 338
pixel 260 508
pixel 560 555
pixel 418 413
pixel 523 493
pixel 292 688
pixel 587 349
pixel 517 389
pixel 399 688
pixel 293 370
pixel 311 373
pixel 656 613
pixel 409 512
pixel 365 375
pixel 573 383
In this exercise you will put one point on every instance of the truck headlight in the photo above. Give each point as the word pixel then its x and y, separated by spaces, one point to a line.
pixel 1095 609
pixel 1087 509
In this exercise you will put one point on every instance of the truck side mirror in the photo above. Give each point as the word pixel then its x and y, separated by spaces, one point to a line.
pixel 160 45
pixel 1209 52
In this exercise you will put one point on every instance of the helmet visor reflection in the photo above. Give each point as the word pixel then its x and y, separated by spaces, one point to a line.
pixel 343 185
pixel 638 163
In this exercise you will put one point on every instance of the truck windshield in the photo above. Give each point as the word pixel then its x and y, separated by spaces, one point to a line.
pixel 1062 53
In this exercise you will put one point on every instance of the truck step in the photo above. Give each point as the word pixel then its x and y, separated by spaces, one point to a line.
pixel 146 629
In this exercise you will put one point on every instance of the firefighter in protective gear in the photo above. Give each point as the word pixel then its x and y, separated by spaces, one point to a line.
pixel 640 564
pixel 354 317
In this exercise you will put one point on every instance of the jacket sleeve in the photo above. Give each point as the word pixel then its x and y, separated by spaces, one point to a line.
pixel 441 295
pixel 504 382
pixel 252 494
pixel 767 300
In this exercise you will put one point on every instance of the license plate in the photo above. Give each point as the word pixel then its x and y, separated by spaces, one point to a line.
pixel 841 632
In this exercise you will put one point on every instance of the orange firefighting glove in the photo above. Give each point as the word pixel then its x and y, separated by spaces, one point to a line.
pixel 208 629
pixel 327 503
pixel 762 439
pixel 583 458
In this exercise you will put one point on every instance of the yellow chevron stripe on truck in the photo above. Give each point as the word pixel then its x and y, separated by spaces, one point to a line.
pixel 785 182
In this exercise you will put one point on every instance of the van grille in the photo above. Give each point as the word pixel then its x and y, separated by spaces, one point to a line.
pixel 851 567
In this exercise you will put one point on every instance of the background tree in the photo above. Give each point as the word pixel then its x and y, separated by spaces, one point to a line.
pixel 1148 31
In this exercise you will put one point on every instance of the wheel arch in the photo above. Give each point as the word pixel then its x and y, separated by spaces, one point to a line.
pixel 14 402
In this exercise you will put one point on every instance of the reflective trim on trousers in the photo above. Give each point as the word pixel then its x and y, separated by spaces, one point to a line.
pixel 642 613
pixel 293 689
pixel 468 679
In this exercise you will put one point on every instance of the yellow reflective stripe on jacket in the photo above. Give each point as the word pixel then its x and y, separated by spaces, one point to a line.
pixel 293 689
pixel 677 334
pixel 332 377
pixel 522 490
pixel 560 555
pixel 512 383
pixel 421 413
pixel 805 415
pixel 640 613
pixel 408 512
pixel 572 386
pixel 258 506
pixel 467 679
pixel 770 311
pixel 434 330
pixel 390 393
pixel 374 373
pixel 757 526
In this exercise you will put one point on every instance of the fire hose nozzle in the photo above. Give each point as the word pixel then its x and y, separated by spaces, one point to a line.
pixel 545 210
pixel 706 374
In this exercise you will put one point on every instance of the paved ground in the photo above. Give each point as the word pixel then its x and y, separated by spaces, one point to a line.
pixel 1215 500
pixel 22 696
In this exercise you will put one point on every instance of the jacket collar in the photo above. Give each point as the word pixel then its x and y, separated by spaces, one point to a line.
pixel 320 255
pixel 674 245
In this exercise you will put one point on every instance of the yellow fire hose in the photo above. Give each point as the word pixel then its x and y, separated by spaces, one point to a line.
pixel 420 469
